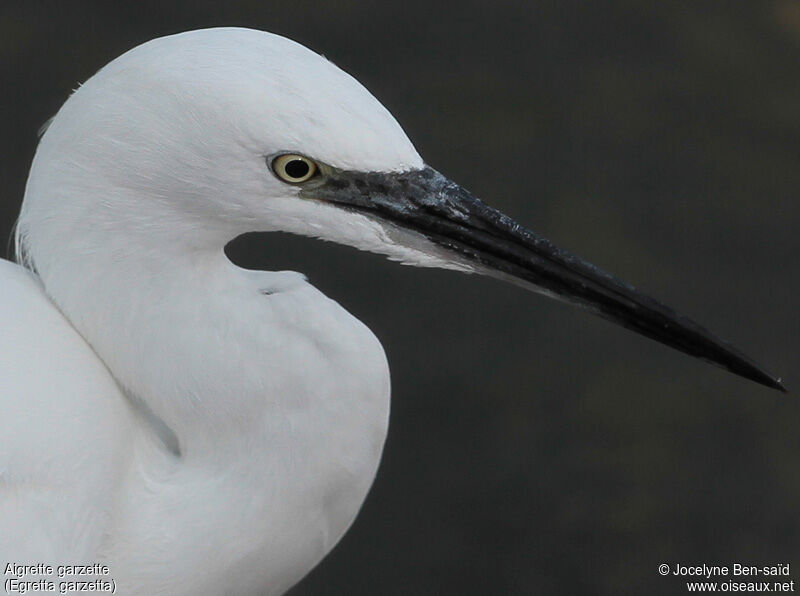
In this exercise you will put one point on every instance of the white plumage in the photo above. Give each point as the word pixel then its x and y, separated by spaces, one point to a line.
pixel 277 397
pixel 199 428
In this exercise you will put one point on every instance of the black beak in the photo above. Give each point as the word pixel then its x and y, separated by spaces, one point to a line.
pixel 428 203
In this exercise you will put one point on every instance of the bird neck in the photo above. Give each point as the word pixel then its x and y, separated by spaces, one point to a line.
pixel 181 329
pixel 277 398
pixel 212 350
pixel 137 301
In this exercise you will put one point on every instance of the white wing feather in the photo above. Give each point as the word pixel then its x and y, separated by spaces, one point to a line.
pixel 61 420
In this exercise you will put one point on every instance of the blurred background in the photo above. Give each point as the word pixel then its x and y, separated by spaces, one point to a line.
pixel 535 448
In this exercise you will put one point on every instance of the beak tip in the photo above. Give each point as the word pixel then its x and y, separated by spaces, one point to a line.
pixel 770 381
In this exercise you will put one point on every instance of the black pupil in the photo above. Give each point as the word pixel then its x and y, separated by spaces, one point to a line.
pixel 296 168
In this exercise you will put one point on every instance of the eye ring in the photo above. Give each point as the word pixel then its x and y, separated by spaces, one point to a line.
pixel 294 168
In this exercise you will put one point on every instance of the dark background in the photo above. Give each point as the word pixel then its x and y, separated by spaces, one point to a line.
pixel 534 448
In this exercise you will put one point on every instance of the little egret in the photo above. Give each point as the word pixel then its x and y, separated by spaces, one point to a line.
pixel 196 427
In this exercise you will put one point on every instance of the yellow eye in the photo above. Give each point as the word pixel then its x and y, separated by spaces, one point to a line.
pixel 293 168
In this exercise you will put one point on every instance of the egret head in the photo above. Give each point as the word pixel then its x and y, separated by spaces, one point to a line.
pixel 191 140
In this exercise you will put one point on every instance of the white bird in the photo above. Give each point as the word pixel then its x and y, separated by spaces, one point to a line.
pixel 196 427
